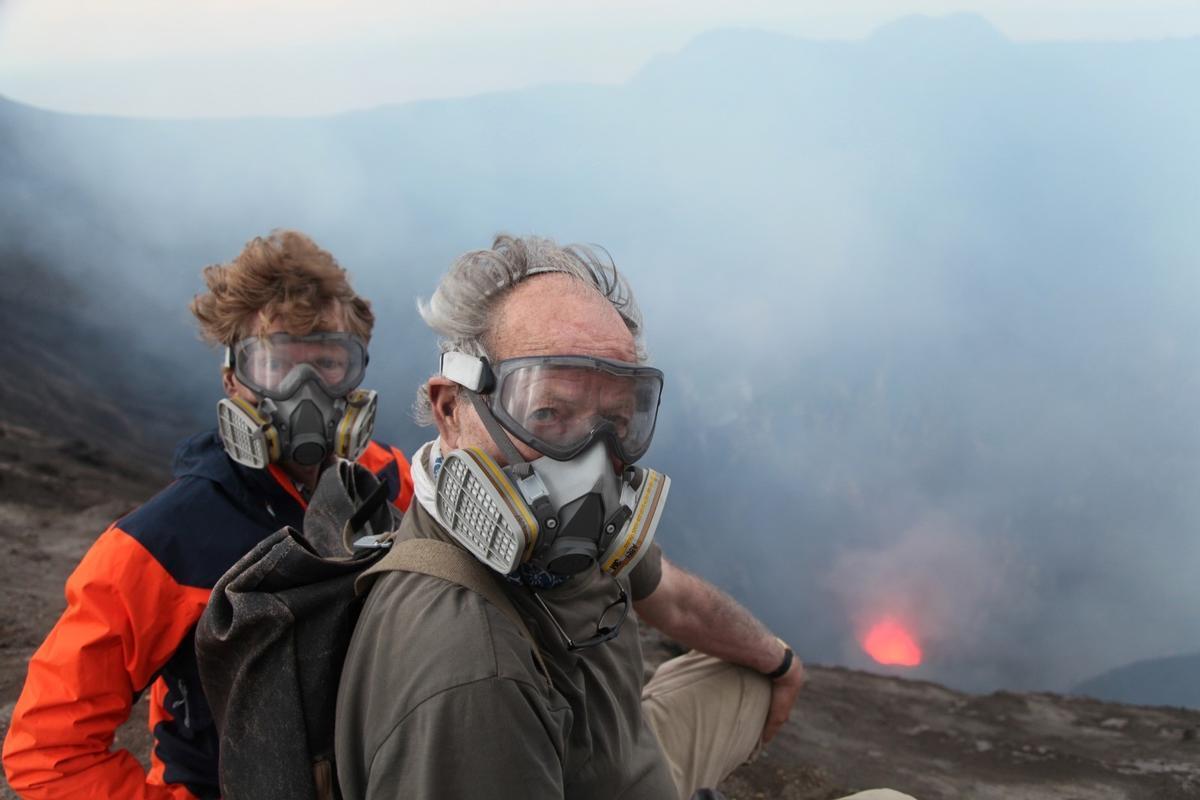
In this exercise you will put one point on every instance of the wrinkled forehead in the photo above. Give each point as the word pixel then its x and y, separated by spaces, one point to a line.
pixel 574 384
pixel 556 314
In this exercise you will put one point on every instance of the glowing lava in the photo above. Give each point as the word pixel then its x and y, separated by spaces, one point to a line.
pixel 889 643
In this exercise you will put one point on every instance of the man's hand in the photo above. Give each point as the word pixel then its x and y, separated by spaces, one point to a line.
pixel 699 616
pixel 784 690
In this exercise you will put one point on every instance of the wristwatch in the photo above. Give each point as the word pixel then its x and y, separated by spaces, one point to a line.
pixel 785 665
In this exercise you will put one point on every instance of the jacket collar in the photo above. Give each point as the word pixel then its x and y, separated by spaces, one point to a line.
pixel 258 492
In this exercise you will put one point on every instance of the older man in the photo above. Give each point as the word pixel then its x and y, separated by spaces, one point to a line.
pixel 542 408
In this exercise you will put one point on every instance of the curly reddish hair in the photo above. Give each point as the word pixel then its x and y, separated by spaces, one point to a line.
pixel 282 277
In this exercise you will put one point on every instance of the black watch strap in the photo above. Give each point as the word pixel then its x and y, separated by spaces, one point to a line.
pixel 788 658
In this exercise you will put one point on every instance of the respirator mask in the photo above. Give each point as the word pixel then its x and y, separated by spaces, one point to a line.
pixel 583 502
pixel 308 405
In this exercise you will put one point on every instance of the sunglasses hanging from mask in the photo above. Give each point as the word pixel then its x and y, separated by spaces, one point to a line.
pixel 308 401
pixel 581 504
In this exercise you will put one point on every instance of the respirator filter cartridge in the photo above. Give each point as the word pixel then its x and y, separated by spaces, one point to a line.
pixel 248 437
pixel 483 509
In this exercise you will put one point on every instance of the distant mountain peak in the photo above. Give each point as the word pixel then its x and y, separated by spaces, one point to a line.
pixel 1169 681
pixel 961 29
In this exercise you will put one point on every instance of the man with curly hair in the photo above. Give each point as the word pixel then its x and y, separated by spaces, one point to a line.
pixel 295 336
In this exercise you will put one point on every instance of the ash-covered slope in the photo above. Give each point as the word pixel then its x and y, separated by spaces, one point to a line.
pixel 87 421
pixel 65 372
pixel 854 730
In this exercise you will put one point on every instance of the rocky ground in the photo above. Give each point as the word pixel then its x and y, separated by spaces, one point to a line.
pixel 56 496
pixel 851 730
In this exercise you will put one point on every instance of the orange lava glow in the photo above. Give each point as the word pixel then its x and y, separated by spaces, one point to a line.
pixel 889 643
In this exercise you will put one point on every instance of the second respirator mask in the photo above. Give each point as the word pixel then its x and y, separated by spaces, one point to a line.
pixel 308 405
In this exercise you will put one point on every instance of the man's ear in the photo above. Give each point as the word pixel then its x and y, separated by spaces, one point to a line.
pixel 444 398
pixel 229 383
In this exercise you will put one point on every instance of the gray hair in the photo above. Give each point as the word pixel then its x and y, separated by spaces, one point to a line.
pixel 461 309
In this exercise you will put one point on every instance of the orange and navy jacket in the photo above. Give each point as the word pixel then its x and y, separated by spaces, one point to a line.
pixel 132 607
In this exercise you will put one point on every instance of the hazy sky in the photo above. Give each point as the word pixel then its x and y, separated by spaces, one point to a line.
pixel 297 57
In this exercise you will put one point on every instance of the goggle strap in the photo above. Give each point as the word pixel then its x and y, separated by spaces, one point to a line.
pixel 496 431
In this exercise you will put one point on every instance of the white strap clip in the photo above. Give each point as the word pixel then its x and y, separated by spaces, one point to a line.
pixel 463 369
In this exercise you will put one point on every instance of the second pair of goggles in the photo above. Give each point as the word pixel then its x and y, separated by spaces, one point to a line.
pixel 270 365
pixel 559 405
pixel 308 403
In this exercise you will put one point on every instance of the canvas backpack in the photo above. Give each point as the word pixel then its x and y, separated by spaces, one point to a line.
pixel 272 640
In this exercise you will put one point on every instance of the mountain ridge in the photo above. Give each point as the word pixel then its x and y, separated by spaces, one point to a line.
pixel 1172 681
pixel 962 31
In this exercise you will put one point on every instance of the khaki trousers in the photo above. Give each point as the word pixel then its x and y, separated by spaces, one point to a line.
pixel 708 716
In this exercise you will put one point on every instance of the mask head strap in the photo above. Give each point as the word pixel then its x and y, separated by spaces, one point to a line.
pixel 515 460
pixel 475 375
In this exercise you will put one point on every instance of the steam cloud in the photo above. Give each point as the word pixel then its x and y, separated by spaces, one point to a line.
pixel 925 303
pixel 951 588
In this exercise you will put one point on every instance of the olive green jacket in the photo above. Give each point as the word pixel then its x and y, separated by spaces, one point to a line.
pixel 441 695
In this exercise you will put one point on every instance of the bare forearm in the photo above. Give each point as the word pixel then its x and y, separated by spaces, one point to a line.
pixel 700 616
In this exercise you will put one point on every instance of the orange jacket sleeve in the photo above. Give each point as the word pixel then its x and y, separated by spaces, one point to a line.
pixel 390 465
pixel 125 617
pixel 404 497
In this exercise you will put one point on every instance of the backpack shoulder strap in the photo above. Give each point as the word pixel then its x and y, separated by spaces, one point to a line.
pixel 451 563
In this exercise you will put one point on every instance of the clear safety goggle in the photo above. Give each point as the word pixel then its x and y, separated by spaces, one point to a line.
pixel 559 405
pixel 274 365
